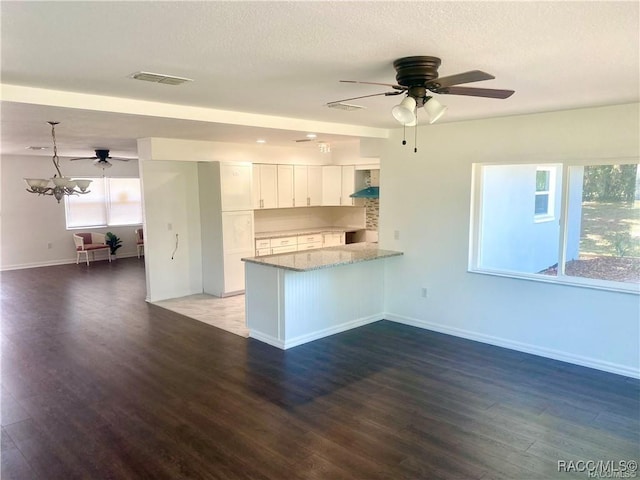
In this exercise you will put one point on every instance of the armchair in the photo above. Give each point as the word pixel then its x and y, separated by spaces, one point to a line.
pixel 139 241
pixel 90 242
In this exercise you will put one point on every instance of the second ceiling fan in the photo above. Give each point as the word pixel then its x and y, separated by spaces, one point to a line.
pixel 101 158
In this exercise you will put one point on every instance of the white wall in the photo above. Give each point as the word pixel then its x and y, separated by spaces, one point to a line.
pixel 171 207
pixel 30 222
pixel 426 198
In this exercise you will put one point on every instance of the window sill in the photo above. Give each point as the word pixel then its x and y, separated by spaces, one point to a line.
pixel 543 218
pixel 609 286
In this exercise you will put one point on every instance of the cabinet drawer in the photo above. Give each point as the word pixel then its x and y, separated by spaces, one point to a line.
pixel 283 241
pixel 309 246
pixel 310 238
pixel 263 243
pixel 333 239
pixel 285 249
pixel 262 251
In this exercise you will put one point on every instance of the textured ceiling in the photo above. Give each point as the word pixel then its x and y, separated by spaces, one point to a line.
pixel 284 59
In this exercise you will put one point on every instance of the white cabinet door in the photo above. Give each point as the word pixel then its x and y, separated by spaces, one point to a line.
pixel 237 232
pixel 265 186
pixel 331 185
pixel 333 239
pixel 285 186
pixel 300 195
pixel 269 185
pixel 314 185
pixel 255 192
pixel 348 184
pixel 236 186
pixel 234 271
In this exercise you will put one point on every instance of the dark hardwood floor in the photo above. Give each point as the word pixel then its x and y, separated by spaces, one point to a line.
pixel 98 384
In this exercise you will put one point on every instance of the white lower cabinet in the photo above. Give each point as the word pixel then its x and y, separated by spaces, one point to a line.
pixel 333 239
pixel 270 246
pixel 285 249
pixel 309 246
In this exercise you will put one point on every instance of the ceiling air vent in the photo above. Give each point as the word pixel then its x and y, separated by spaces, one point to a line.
pixel 344 106
pixel 159 78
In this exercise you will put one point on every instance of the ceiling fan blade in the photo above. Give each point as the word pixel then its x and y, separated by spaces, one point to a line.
pixel 83 158
pixel 476 92
pixel 119 159
pixel 466 77
pixel 386 94
pixel 397 87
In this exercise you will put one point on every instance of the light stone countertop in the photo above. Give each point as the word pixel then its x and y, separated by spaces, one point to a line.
pixel 318 258
pixel 305 231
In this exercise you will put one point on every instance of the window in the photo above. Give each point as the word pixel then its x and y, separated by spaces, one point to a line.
pixel 544 194
pixel 594 242
pixel 111 202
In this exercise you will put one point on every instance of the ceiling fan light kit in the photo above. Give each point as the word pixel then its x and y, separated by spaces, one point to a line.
pixel 404 112
pixel 434 109
pixel 417 77
pixel 61 185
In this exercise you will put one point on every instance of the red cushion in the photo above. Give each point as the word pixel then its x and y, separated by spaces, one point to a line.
pixel 86 237
pixel 94 246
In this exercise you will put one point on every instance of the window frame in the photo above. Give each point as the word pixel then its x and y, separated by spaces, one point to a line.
pixel 106 204
pixel 549 215
pixel 475 234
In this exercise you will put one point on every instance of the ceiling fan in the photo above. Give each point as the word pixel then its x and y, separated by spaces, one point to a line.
pixel 101 158
pixel 417 78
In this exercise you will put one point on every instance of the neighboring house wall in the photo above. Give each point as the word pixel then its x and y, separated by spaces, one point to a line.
pixel 30 222
pixel 511 238
pixel 425 197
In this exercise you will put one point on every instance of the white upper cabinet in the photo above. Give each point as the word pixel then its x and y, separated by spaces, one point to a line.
pixel 348 184
pixel 285 186
pixel 338 183
pixel 236 186
pixel 314 185
pixel 307 181
pixel 331 185
pixel 300 198
pixel 265 186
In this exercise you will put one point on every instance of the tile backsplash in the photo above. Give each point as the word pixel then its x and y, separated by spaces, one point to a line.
pixel 372 212
pixel 281 219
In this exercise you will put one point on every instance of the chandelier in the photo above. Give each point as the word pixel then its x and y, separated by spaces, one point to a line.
pixel 61 185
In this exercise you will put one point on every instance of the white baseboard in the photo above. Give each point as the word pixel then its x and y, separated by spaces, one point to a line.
pixel 326 332
pixel 343 327
pixel 268 339
pixel 518 346
pixel 65 261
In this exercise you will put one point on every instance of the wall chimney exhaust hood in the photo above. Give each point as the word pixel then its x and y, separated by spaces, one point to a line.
pixel 369 192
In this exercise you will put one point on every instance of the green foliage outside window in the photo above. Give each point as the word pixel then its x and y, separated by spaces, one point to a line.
pixel 609 183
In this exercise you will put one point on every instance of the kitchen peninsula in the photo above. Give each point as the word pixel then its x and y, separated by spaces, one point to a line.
pixel 294 298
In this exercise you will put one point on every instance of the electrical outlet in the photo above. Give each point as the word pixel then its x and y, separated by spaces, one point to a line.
pixel 424 292
pixel 169 226
pixel 396 234
pixel 49 245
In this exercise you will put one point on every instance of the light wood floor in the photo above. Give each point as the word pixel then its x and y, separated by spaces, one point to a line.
pixel 98 384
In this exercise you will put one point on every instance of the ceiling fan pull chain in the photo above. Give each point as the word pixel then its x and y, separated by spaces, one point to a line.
pixel 415 137
pixel 404 134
